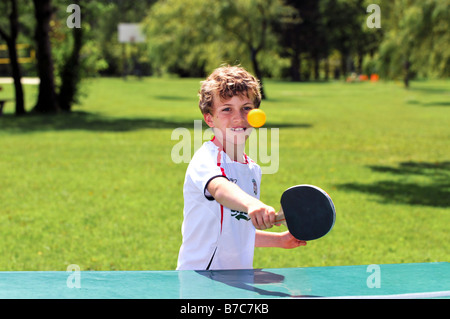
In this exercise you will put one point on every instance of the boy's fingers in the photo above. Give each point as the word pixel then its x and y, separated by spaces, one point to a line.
pixel 272 216
pixel 260 226
pixel 269 220
pixel 263 218
pixel 264 221
pixel 260 222
pixel 269 217
pixel 256 221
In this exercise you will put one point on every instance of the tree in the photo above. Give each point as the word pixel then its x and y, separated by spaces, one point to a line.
pixel 287 30
pixel 61 62
pixel 345 31
pixel 182 37
pixel 416 40
pixel 71 73
pixel 11 41
pixel 75 49
pixel 68 70
pixel 47 100
pixel 300 36
pixel 317 29
pixel 191 37
pixel 250 23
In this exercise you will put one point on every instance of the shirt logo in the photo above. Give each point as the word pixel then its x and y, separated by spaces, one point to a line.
pixel 240 215
pixel 255 187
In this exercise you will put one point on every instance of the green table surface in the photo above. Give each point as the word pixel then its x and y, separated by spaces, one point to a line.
pixel 415 280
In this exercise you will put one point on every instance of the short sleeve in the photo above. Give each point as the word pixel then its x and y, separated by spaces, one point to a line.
pixel 202 169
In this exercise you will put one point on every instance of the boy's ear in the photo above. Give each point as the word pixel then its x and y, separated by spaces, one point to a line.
pixel 208 119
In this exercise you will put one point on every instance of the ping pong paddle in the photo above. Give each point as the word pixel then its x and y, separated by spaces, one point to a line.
pixel 307 211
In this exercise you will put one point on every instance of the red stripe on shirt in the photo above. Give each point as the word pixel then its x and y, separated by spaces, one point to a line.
pixel 223 174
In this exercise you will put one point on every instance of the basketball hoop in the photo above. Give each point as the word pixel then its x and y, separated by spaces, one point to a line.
pixel 129 33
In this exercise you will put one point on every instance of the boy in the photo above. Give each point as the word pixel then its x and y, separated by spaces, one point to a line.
pixel 223 216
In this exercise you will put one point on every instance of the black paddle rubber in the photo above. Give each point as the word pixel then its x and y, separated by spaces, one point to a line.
pixel 309 212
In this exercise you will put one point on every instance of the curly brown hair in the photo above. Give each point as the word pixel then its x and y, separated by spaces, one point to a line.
pixel 226 82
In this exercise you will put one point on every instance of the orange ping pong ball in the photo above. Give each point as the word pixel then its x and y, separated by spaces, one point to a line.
pixel 256 118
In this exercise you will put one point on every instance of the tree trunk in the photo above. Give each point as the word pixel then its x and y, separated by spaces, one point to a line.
pixel 12 52
pixel 344 64
pixel 406 73
pixel 47 100
pixel 17 76
pixel 316 63
pixel 359 69
pixel 295 67
pixel 327 69
pixel 258 73
pixel 70 74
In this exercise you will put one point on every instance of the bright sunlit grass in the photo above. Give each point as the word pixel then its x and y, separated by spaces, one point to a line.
pixel 98 187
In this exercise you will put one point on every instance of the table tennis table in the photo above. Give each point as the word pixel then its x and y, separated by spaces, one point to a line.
pixel 404 281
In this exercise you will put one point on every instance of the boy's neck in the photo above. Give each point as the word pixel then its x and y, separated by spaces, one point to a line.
pixel 236 152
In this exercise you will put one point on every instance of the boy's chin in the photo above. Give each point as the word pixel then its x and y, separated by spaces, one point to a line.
pixel 237 137
pixel 238 140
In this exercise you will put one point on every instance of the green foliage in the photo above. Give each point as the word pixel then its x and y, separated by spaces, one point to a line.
pixel 416 32
pixel 180 36
pixel 193 37
pixel 190 38
pixel 92 61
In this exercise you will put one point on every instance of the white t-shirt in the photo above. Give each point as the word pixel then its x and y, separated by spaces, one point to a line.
pixel 214 236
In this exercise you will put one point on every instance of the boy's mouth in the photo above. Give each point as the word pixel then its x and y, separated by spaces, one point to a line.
pixel 238 129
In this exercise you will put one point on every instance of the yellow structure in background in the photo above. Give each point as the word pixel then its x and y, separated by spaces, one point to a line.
pixel 26 59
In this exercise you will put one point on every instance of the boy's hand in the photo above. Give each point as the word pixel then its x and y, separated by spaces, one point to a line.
pixel 274 239
pixel 232 196
pixel 263 216
pixel 288 241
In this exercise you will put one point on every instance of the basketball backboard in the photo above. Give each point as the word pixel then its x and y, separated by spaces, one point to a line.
pixel 130 33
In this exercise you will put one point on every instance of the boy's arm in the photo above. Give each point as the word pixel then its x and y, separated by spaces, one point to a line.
pixel 282 240
pixel 232 196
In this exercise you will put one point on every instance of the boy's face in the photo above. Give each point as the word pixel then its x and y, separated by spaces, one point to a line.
pixel 229 119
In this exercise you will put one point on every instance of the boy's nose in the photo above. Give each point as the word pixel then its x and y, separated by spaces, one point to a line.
pixel 239 117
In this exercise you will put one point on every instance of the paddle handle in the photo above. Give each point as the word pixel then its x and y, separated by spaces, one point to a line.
pixel 280 219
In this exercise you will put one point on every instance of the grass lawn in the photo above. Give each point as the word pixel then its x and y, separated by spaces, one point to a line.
pixel 98 187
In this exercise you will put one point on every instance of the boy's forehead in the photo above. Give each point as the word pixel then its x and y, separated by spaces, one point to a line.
pixel 235 99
